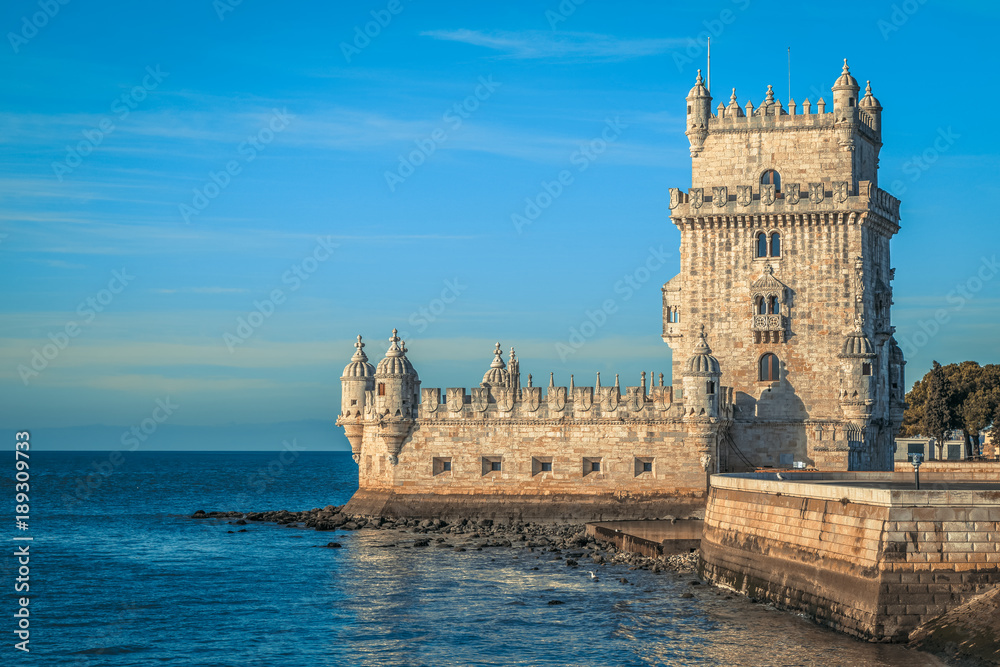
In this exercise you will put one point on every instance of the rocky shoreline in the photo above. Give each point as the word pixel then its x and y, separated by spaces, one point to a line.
pixel 569 542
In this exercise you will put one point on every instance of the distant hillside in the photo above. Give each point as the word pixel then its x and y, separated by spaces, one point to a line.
pixel 312 435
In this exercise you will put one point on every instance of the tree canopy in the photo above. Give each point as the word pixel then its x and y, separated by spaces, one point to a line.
pixel 963 396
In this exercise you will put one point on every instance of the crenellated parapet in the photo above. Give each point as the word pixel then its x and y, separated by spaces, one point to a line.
pixel 796 204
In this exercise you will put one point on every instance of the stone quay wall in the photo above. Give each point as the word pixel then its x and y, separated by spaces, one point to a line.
pixel 871 562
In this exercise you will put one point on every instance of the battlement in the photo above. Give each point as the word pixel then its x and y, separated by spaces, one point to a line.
pixel 819 197
pixel 775 117
pixel 660 403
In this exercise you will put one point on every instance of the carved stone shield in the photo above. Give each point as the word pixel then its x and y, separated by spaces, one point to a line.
pixel 557 399
pixel 696 197
pixel 430 399
pixel 480 398
pixel 583 398
pixel 634 399
pixel 720 195
pixel 817 192
pixel 792 193
pixel 456 399
pixel 675 198
pixel 661 398
pixel 767 193
pixel 369 402
pixel 505 399
pixel 609 399
pixel 840 192
pixel 744 195
pixel 532 397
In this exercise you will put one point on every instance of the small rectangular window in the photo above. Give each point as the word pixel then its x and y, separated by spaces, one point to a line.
pixel 441 464
pixel 591 464
pixel 540 464
pixel 354 401
pixel 491 464
pixel 866 369
pixel 381 388
pixel 643 465
pixel 495 466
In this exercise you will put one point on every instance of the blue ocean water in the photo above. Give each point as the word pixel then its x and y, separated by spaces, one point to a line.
pixel 120 576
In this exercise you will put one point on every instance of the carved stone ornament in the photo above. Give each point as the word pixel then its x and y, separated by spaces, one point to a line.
pixel 706 462
pixel 634 399
pixel 557 399
pixel 840 192
pixel 480 398
pixel 369 402
pixel 532 397
pixel 744 195
pixel 676 197
pixel 720 196
pixel 817 191
pixel 356 457
pixel 505 399
pixel 430 400
pixel 610 399
pixel 792 194
pixel 661 398
pixel 697 197
pixel 456 399
pixel 583 398
pixel 767 193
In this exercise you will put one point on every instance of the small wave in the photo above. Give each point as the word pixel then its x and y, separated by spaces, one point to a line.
pixel 111 650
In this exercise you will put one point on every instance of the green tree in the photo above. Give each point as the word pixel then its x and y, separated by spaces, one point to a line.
pixel 937 417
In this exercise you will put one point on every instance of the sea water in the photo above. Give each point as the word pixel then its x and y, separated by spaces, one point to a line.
pixel 121 576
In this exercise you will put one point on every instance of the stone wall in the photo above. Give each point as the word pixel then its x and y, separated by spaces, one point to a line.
pixel 420 485
pixel 872 562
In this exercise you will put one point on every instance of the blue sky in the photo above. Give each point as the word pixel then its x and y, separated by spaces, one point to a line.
pixel 182 166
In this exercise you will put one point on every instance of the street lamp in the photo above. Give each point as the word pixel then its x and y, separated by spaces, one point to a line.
pixel 916 460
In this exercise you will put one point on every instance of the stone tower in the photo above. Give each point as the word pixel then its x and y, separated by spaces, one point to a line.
pixel 785 259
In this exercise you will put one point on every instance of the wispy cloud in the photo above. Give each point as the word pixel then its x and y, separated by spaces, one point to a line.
pixel 571 46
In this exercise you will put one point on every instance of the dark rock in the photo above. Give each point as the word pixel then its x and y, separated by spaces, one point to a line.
pixel 200 514
pixel 241 522
pixel 556 602
pixel 695 583
pixel 623 580
pixel 571 563
pixel 350 525
pixel 332 545
pixel 687 595
pixel 422 543
pixel 242 530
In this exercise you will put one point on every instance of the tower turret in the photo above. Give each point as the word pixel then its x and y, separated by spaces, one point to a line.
pixel 358 379
pixel 701 381
pixel 397 392
pixel 497 375
pixel 872 106
pixel 845 93
pixel 699 110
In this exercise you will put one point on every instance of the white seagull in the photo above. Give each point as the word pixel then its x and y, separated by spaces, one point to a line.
pixel 593 577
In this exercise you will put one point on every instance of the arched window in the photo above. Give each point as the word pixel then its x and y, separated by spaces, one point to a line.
pixel 762 245
pixel 768 370
pixel 775 245
pixel 761 306
pixel 771 177
pixel 773 306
